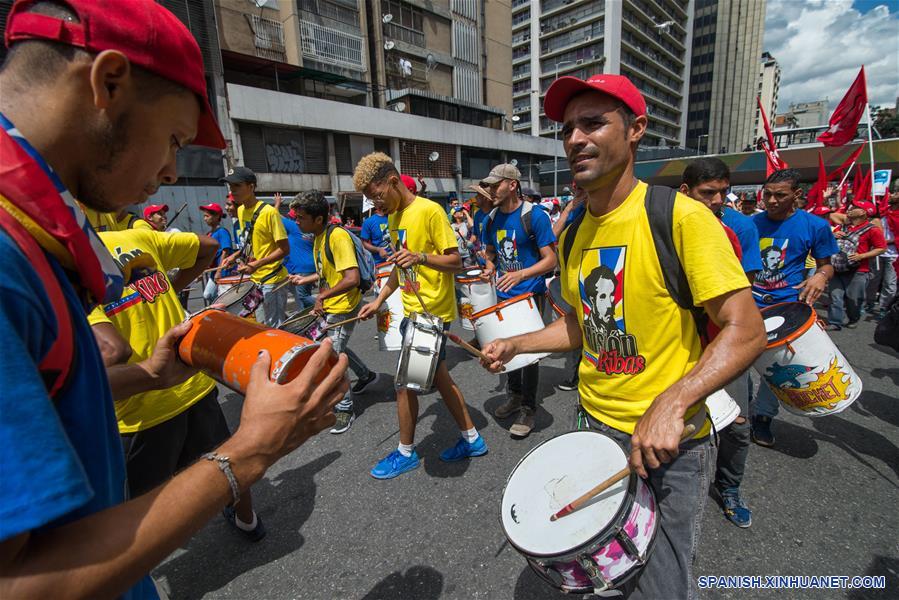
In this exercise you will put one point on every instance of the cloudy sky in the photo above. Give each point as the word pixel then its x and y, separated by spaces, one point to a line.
pixel 820 45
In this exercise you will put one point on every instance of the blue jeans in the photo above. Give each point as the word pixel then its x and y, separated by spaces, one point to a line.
pixel 681 488
pixel 274 305
pixel 764 404
pixel 302 294
pixel 851 287
pixel 340 336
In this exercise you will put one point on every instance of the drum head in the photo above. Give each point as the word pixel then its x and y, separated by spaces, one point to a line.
pixel 233 296
pixel 299 321
pixel 783 321
pixel 552 475
pixel 555 296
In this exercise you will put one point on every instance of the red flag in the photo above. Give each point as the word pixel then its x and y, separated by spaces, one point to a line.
pixel 847 164
pixel 773 161
pixel 815 195
pixel 845 119
pixel 863 191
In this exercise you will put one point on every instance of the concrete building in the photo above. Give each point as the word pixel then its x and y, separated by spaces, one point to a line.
pixel 313 85
pixel 768 88
pixel 649 41
pixel 809 114
pixel 727 40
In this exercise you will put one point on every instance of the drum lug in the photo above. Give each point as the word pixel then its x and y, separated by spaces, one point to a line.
pixel 628 545
pixel 600 584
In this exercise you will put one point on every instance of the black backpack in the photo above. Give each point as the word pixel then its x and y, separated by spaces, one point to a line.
pixel 887 331
pixel 659 206
pixel 848 246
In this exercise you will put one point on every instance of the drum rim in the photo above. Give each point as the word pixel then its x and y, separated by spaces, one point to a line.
pixel 470 278
pixel 601 538
pixel 280 366
pixel 236 286
pixel 501 305
pixel 797 333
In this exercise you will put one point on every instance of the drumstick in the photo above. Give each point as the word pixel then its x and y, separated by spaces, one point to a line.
pixel 471 349
pixel 407 272
pixel 339 323
pixel 572 506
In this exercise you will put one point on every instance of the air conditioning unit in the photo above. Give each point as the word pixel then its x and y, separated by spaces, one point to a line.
pixel 579 61
pixel 587 38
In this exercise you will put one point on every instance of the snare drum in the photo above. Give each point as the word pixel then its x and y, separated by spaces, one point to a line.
pixel 225 346
pixel 511 317
pixel 802 366
pixel 474 295
pixel 595 548
pixel 554 295
pixel 305 323
pixel 722 409
pixel 240 298
pixel 420 353
pixel 390 315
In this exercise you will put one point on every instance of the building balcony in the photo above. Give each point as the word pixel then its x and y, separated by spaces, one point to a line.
pixel 331 46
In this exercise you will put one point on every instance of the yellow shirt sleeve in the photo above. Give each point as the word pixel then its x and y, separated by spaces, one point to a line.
pixel 176 250
pixel 708 259
pixel 273 223
pixel 142 224
pixel 97 316
pixel 344 251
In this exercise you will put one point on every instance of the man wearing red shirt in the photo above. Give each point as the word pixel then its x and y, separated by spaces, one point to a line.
pixel 851 284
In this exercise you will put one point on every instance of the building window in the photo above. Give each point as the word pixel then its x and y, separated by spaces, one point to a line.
pixel 336 10
pixel 332 46
pixel 268 37
pixel 342 154
pixel 406 24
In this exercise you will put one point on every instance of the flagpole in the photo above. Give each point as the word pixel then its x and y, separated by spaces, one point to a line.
pixel 870 148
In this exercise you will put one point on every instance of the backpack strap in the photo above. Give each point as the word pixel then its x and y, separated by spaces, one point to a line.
pixel 329 254
pixel 526 208
pixel 248 234
pixel 56 365
pixel 570 232
pixel 659 203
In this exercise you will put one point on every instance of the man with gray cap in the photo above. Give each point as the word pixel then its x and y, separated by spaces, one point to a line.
pixel 520 248
pixel 264 246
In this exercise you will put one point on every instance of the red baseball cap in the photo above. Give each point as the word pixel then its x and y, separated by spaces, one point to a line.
pixel 565 88
pixel 213 207
pixel 409 183
pixel 155 208
pixel 866 206
pixel 147 33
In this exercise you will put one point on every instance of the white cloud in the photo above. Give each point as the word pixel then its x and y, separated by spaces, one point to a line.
pixel 820 45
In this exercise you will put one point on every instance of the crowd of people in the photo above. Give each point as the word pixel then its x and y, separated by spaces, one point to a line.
pixel 117 452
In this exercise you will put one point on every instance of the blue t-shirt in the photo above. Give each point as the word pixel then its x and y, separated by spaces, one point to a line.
pixel 480 220
pixel 222 236
pixel 783 246
pixel 62 459
pixel 748 235
pixel 299 261
pixel 516 251
pixel 374 231
pixel 574 214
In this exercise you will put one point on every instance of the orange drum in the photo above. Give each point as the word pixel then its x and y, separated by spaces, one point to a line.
pixel 225 346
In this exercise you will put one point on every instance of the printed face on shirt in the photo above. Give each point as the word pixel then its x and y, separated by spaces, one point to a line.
pixel 608 346
pixel 774 252
pixel 507 250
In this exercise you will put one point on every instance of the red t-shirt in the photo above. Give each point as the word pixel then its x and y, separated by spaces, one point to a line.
pixel 873 238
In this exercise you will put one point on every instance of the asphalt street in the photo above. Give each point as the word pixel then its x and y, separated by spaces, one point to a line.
pixel 824 500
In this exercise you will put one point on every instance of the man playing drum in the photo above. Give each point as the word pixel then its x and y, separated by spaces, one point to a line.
pixel 529 254
pixel 337 272
pixel 427 255
pixel 265 244
pixel 786 237
pixel 643 371
pixel 97 99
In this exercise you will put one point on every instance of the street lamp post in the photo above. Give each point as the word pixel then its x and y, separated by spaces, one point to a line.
pixel 556 138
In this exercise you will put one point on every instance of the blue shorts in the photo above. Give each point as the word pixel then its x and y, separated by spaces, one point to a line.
pixel 442 354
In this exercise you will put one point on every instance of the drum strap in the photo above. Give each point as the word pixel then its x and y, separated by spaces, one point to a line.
pixel 56 365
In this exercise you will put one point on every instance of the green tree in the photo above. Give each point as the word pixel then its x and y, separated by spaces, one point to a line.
pixel 886 121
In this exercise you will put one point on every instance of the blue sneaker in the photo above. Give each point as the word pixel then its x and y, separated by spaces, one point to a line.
pixel 395 464
pixel 735 509
pixel 464 449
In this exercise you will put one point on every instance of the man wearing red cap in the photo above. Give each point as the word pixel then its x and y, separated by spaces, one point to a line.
pixel 98 96
pixel 156 215
pixel 212 216
pixel 643 369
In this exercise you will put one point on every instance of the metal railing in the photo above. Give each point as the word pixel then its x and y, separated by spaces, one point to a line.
pixel 268 38
pixel 332 46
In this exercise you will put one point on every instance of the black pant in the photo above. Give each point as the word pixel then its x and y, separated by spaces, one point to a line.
pixel 154 455
pixel 525 381
pixel 733 449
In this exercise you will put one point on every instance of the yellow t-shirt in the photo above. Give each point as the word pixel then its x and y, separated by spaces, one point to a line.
pixel 637 340
pixel 267 232
pixel 148 308
pixel 101 221
pixel 329 274
pixel 141 224
pixel 422 227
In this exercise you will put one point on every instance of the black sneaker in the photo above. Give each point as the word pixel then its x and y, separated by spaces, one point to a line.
pixel 256 534
pixel 760 431
pixel 851 324
pixel 362 384
pixel 344 421
pixel 568 385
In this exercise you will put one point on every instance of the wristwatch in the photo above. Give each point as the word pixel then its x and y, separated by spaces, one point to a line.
pixel 423 258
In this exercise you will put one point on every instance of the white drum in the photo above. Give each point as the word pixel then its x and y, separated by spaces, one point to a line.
pixel 474 295
pixel 554 295
pixel 802 366
pixel 390 315
pixel 722 409
pixel 597 547
pixel 511 317
pixel 240 298
pixel 421 349
pixel 383 268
